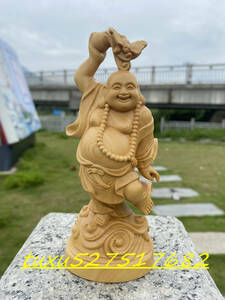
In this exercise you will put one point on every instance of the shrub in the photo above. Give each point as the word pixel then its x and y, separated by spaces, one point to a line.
pixel 24 179
pixel 24 164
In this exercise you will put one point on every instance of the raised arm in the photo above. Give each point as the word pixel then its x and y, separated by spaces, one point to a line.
pixel 98 45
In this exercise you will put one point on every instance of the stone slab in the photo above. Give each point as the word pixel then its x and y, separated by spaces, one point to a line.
pixel 157 168
pixel 165 178
pixel 160 168
pixel 49 238
pixel 172 192
pixel 184 210
pixel 210 242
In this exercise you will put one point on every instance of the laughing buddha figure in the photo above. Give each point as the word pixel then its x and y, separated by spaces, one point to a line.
pixel 115 128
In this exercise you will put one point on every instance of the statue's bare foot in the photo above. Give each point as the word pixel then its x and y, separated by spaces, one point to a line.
pixel 145 206
pixel 101 219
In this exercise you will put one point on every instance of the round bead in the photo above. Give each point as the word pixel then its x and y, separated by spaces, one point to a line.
pixel 133 135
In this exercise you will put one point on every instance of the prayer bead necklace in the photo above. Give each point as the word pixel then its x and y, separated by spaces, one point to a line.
pixel 130 156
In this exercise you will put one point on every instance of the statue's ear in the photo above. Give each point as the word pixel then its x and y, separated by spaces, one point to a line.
pixel 142 98
pixel 102 100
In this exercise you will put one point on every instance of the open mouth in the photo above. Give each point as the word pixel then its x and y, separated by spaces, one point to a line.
pixel 124 98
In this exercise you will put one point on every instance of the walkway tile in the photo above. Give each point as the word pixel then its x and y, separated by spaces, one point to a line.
pixel 173 193
pixel 183 210
pixel 170 178
pixel 165 178
pixel 210 242
pixel 160 168
pixel 157 168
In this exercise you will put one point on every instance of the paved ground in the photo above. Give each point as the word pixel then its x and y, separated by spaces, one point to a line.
pixel 173 193
pixel 165 178
pixel 160 168
pixel 205 242
pixel 210 242
pixel 184 210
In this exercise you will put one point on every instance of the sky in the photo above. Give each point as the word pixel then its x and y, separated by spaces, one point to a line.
pixel 53 34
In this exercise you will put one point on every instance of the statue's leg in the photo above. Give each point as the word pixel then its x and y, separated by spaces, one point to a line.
pixel 138 193
pixel 107 226
pixel 103 230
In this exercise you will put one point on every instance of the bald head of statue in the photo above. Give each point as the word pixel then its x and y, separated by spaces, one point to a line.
pixel 122 91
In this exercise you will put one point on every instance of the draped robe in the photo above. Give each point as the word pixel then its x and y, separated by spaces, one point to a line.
pixel 99 175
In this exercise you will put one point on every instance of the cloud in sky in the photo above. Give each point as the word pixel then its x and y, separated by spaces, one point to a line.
pixel 53 34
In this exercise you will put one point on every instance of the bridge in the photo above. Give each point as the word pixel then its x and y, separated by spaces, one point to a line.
pixel 198 86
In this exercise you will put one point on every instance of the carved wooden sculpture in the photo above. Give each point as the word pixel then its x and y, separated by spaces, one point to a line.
pixel 116 131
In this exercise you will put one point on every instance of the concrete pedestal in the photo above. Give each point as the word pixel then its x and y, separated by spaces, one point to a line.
pixel 49 238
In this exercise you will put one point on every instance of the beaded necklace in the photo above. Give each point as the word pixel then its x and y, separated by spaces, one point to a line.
pixel 130 156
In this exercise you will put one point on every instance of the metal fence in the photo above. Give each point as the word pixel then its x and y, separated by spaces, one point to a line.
pixel 56 123
pixel 177 74
pixel 179 125
pixel 59 123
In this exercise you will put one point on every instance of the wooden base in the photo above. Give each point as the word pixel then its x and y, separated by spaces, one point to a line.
pixel 108 275
pixel 96 237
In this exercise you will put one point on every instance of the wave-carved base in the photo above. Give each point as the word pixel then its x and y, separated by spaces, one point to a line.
pixel 103 229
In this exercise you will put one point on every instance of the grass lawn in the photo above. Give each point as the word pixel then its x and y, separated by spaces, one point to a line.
pixel 55 187
pixel 202 167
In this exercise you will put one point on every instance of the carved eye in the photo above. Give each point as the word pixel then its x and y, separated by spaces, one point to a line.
pixel 116 87
pixel 130 86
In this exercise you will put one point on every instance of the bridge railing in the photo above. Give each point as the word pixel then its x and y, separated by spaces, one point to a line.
pixel 177 74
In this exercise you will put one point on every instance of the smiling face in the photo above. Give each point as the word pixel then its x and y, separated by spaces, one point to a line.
pixel 122 91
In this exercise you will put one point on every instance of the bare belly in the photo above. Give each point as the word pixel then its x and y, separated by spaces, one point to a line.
pixel 114 141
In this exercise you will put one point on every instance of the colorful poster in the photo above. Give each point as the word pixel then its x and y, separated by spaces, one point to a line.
pixel 18 116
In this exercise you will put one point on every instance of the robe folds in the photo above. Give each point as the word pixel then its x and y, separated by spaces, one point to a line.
pixel 99 179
